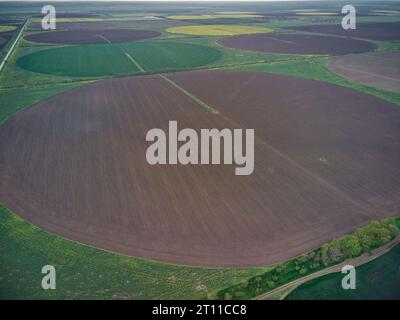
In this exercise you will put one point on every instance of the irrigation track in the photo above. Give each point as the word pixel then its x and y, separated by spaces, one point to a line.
pixel 13 45
pixel 187 93
pixel 137 65
pixel 287 288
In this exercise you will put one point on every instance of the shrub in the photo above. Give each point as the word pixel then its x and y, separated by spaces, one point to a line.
pixel 303 271
pixel 280 269
pixel 227 296
pixel 350 246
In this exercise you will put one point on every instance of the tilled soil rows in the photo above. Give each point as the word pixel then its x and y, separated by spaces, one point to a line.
pixel 297 44
pixel 326 161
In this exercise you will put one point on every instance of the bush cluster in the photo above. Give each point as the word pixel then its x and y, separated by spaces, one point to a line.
pixel 364 239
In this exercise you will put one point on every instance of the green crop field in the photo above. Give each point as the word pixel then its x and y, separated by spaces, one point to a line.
pixel 378 279
pixel 7 28
pixel 88 60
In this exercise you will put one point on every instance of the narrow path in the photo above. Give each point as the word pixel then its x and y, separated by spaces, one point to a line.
pixel 104 38
pixel 133 60
pixel 287 288
pixel 13 45
pixel 187 93
pixel 137 65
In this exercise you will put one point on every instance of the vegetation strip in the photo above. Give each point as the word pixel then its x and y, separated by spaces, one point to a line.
pixel 372 236
pixel 286 289
pixel 13 46
pixel 187 93
pixel 378 279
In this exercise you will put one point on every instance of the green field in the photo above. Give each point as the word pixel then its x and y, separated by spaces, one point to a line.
pixel 88 60
pixel 217 30
pixel 378 279
pixel 7 28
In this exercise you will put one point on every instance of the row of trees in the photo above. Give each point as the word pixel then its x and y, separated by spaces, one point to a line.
pixel 364 239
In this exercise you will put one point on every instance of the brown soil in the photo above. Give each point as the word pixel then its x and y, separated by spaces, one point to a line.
pixel 297 44
pixel 370 30
pixel 75 165
pixel 91 36
pixel 379 70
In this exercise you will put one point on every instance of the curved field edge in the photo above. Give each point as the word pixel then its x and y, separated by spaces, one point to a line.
pixel 377 279
pixel 314 68
pixel 124 58
pixel 24 249
pixel 85 272
pixel 217 30
pixel 88 273
pixel 356 246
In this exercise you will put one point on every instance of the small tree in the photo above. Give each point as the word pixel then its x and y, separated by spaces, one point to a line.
pixel 350 246
pixel 270 284
pixel 227 296
pixel 303 271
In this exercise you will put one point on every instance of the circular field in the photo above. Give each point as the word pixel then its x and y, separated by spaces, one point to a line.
pixel 370 30
pixel 297 44
pixel 91 36
pixel 7 28
pixel 326 161
pixel 379 70
pixel 217 30
pixel 123 58
pixel 214 16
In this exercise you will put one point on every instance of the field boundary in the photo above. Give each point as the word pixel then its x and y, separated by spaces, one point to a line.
pixel 188 94
pixel 287 288
pixel 10 51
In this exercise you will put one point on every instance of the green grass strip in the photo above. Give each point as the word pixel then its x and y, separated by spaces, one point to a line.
pixel 187 93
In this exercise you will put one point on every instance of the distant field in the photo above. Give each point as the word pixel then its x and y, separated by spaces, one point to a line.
pixel 297 44
pixel 373 31
pixel 213 16
pixel 217 30
pixel 91 36
pixel 378 279
pixel 379 70
pixel 7 28
pixel 124 58
pixel 74 19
